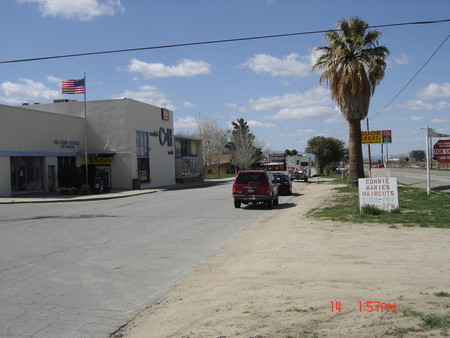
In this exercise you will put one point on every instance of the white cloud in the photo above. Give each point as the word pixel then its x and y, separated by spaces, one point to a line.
pixel 301 133
pixel 440 121
pixel 77 9
pixel 54 79
pixel 26 90
pixel 184 68
pixel 241 110
pixel 185 123
pixel 434 90
pixel 188 104
pixel 150 95
pixel 416 118
pixel 303 113
pixel 317 96
pixel 422 105
pixel 403 59
pixel 260 125
pixel 314 103
pixel 289 66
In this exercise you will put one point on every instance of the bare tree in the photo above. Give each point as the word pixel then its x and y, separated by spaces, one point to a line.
pixel 214 141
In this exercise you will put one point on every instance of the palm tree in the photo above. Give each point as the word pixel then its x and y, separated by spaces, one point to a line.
pixel 353 65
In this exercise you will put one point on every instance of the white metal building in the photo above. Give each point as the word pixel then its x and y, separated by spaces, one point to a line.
pixel 131 141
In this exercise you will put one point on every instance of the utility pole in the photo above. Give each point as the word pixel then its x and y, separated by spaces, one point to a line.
pixel 368 145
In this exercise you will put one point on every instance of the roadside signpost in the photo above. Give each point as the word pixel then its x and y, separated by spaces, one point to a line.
pixel 380 192
pixel 387 136
pixel 376 137
pixel 441 151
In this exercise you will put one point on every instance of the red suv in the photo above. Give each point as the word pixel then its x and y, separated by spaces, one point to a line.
pixel 255 186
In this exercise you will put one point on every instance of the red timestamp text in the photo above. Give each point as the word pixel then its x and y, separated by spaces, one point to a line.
pixel 367 306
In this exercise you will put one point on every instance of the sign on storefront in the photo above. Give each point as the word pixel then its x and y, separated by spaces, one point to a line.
pixel 107 158
pixel 165 114
pixel 381 193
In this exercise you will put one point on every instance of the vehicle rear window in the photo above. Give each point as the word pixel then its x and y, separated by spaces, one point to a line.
pixel 282 178
pixel 251 178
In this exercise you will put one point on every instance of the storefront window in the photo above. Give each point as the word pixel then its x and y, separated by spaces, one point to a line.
pixel 27 174
pixel 143 156
pixel 66 161
pixel 187 167
pixel 182 148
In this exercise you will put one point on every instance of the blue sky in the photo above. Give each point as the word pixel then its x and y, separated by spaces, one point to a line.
pixel 268 82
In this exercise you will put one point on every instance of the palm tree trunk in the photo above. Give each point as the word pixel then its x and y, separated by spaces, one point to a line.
pixel 355 158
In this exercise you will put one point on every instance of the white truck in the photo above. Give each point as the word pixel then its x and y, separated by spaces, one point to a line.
pixel 300 167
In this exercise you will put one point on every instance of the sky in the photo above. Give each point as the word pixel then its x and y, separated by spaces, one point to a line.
pixel 268 82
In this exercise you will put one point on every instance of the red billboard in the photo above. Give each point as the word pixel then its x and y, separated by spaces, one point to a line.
pixel 441 151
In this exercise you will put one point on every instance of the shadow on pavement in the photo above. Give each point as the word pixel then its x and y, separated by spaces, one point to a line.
pixel 442 187
pixel 195 185
pixel 262 206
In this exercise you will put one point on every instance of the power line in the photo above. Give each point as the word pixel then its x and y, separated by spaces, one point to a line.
pixel 211 42
pixel 414 76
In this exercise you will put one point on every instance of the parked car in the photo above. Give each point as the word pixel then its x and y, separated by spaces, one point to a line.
pixel 255 186
pixel 284 183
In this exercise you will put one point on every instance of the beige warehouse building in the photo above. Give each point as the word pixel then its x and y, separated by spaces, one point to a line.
pixel 133 142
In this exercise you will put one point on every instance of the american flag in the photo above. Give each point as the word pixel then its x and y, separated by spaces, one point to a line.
pixel 73 86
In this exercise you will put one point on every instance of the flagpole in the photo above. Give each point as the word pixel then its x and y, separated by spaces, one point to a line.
pixel 85 136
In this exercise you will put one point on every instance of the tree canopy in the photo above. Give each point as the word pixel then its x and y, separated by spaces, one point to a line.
pixel 327 150
pixel 418 155
pixel 292 152
pixel 241 146
pixel 352 64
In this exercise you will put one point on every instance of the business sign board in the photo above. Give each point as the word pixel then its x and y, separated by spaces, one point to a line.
pixel 106 158
pixel 381 193
pixel 387 136
pixel 277 157
pixel 165 114
pixel 441 151
pixel 376 136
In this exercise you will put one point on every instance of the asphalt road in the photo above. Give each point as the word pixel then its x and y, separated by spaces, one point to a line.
pixel 439 180
pixel 84 269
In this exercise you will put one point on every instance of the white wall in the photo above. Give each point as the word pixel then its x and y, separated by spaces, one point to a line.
pixel 162 157
pixel 27 131
pixel 112 126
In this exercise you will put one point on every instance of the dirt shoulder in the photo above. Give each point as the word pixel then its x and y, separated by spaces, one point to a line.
pixel 278 279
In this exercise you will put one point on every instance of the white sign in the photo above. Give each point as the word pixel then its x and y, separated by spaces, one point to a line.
pixel 378 192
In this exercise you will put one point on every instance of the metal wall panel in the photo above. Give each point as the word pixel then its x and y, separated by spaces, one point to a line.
pixel 30 131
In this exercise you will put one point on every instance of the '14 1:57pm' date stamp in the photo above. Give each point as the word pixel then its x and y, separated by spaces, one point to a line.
pixel 368 306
